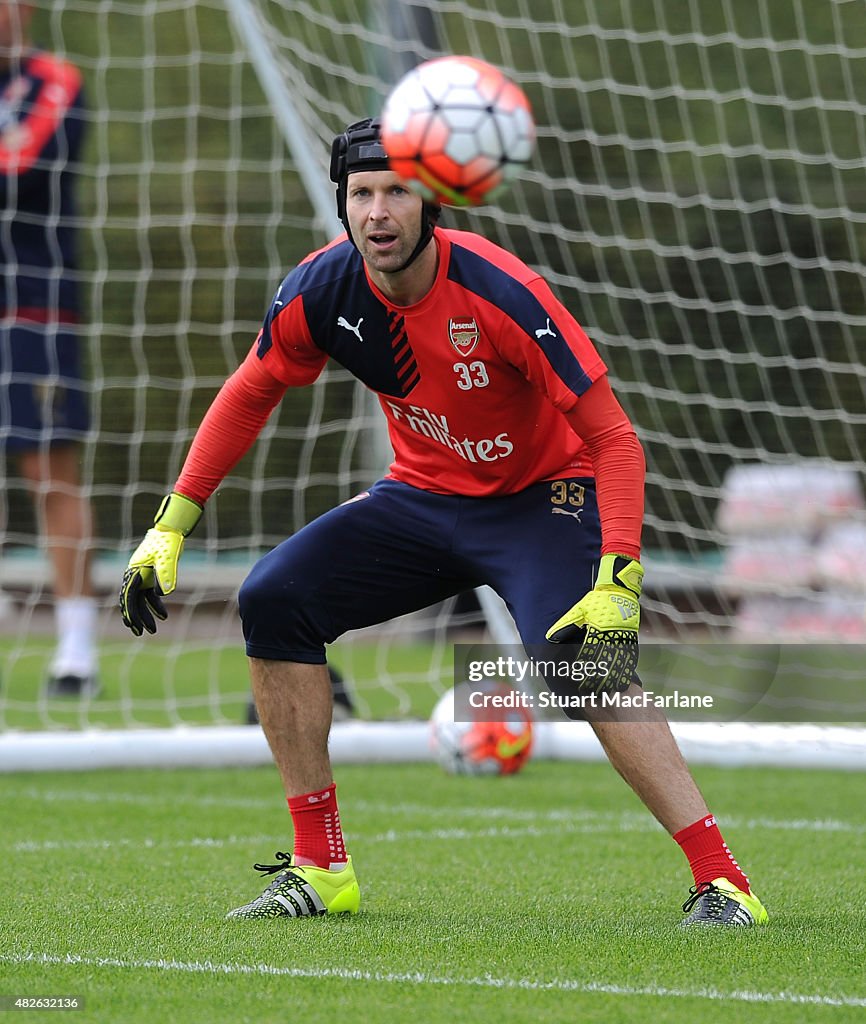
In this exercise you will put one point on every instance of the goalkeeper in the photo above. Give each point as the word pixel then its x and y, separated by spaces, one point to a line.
pixel 514 466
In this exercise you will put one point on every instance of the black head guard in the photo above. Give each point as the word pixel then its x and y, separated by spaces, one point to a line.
pixel 360 148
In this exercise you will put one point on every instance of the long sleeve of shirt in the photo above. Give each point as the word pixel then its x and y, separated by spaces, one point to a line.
pixel 619 465
pixel 229 428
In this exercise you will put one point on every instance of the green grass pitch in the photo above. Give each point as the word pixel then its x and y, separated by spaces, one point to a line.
pixel 548 896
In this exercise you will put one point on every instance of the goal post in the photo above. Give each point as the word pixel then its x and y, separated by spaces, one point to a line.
pixel 696 200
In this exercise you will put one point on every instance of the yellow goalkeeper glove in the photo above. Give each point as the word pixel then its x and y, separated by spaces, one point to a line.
pixel 152 570
pixel 606 621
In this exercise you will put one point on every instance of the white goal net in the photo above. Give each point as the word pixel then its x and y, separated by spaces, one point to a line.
pixel 697 199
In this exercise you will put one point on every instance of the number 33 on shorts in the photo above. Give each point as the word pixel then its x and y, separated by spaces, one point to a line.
pixel 567 492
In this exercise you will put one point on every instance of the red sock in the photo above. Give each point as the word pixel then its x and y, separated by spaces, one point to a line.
pixel 708 854
pixel 318 836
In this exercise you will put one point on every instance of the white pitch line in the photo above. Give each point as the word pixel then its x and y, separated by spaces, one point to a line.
pixel 87 796
pixel 46 846
pixel 390 836
pixel 426 810
pixel 34 794
pixel 602 825
pixel 423 978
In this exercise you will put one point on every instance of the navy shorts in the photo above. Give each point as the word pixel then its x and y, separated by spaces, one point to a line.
pixel 396 549
pixel 43 397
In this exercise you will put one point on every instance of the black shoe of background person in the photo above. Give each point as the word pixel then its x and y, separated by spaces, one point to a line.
pixel 71 685
pixel 344 708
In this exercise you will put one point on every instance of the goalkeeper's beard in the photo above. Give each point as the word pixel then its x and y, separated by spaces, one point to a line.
pixel 374 259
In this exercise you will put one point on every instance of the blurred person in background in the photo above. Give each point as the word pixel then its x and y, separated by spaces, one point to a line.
pixel 43 406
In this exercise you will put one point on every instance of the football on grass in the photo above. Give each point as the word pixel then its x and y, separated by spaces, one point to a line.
pixel 458 130
pixel 465 741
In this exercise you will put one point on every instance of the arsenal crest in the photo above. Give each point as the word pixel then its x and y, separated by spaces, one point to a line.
pixel 464 335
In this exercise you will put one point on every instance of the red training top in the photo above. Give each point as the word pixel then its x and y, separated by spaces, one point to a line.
pixel 488 383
